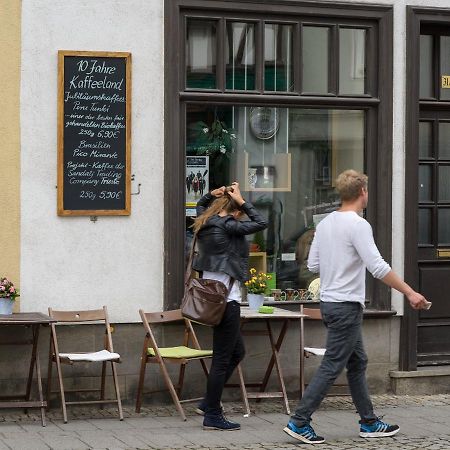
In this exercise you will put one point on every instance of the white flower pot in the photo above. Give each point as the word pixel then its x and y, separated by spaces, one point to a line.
pixel 255 301
pixel 6 306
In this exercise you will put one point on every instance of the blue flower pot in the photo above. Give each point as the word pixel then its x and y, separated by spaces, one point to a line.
pixel 6 306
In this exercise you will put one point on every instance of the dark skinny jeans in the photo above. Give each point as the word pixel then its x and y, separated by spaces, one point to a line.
pixel 228 352
pixel 345 349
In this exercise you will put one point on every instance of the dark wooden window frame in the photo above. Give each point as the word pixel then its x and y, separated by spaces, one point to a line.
pixel 417 17
pixel 377 103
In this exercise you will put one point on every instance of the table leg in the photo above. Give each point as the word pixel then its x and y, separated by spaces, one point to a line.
pixel 35 333
pixel 276 358
pixel 302 354
pixel 39 381
pixel 272 359
pixel 243 390
pixel 35 361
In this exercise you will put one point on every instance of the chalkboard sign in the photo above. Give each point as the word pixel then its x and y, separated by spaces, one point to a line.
pixel 94 134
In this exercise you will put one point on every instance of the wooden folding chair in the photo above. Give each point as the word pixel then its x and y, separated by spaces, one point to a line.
pixel 182 355
pixel 104 356
pixel 312 314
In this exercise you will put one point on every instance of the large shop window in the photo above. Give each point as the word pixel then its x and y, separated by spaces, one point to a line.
pixel 286 161
pixel 281 98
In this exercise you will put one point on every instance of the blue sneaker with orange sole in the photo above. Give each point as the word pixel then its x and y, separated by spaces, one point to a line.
pixel 304 434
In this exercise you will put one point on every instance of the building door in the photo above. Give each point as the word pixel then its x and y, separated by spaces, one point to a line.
pixel 428 194
pixel 433 334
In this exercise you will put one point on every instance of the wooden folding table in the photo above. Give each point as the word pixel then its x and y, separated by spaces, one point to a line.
pixel 278 315
pixel 33 321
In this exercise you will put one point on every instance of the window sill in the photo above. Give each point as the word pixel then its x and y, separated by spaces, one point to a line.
pixel 369 313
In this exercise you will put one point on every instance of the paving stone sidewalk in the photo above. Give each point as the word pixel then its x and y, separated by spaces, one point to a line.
pixel 424 422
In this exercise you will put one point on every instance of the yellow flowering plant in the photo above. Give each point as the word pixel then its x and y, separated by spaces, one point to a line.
pixel 257 284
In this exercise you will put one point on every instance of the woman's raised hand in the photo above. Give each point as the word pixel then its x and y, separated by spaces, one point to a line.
pixel 235 194
pixel 219 192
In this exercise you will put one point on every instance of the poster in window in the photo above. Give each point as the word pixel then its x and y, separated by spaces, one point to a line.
pixel 197 178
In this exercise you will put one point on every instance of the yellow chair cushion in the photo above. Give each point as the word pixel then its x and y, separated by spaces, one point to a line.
pixel 180 352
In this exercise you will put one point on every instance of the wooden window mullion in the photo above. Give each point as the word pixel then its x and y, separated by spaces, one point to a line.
pixel 333 62
pixel 436 63
pixel 297 58
pixel 220 59
pixel 259 56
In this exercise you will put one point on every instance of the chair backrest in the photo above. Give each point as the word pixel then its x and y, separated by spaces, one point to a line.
pixel 78 316
pixel 149 319
pixel 84 316
pixel 162 316
pixel 312 313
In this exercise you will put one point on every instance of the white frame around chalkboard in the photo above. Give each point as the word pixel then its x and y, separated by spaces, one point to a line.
pixel 93 212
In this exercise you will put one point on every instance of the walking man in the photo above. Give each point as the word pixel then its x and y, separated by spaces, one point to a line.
pixel 342 249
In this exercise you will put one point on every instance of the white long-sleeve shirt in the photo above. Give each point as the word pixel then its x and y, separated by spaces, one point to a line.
pixel 342 249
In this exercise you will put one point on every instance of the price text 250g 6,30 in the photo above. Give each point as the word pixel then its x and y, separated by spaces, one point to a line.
pixel 104 195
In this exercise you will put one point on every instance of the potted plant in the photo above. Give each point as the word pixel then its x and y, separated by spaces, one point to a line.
pixel 215 140
pixel 8 294
pixel 256 288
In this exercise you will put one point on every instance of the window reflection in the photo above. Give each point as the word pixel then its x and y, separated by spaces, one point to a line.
pixel 425 139
pixel 444 183
pixel 425 183
pixel 424 226
pixel 315 54
pixel 201 54
pixel 444 140
pixel 286 161
pixel 444 226
pixel 278 65
pixel 352 61
pixel 445 66
pixel 240 48
pixel 426 66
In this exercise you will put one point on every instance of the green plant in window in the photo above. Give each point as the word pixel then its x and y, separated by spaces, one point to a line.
pixel 259 240
pixel 214 139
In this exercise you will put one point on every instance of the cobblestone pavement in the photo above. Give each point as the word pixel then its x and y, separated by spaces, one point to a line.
pixel 424 422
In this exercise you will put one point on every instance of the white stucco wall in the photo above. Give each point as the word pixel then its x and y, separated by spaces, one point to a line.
pixel 71 262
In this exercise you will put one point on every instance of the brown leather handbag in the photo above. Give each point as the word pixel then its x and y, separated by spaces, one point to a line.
pixel 204 300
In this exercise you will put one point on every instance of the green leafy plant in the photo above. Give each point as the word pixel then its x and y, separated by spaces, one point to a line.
pixel 260 241
pixel 216 138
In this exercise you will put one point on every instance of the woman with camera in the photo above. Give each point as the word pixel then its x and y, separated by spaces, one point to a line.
pixel 222 254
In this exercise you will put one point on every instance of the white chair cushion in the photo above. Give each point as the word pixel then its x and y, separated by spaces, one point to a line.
pixel 315 351
pixel 102 355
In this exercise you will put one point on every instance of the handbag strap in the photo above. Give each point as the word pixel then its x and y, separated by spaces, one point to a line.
pixel 188 274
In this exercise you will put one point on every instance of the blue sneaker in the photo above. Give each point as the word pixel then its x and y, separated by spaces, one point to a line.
pixel 305 434
pixel 377 428
pixel 219 422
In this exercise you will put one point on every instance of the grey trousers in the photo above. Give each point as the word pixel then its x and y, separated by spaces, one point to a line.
pixel 345 349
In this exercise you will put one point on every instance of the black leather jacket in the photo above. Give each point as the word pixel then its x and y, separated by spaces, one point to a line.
pixel 222 246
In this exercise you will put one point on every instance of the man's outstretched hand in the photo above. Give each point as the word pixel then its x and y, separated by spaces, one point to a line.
pixel 418 301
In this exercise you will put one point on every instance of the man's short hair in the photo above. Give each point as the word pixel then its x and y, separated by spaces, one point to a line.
pixel 349 184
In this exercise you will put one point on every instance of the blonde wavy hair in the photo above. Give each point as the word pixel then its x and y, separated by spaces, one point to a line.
pixel 349 184
pixel 225 203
